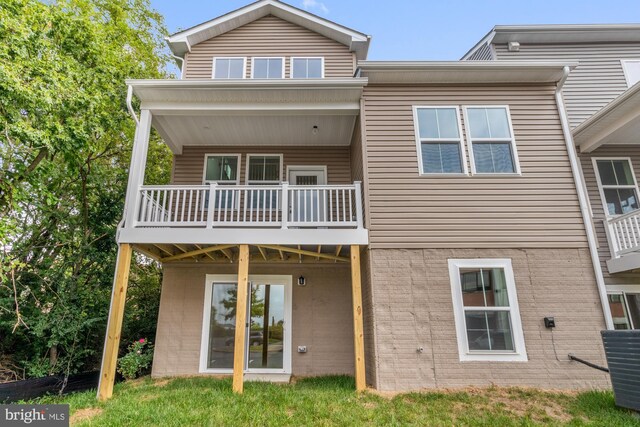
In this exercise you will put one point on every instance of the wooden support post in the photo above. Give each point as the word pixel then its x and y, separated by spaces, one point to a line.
pixel 241 319
pixel 358 328
pixel 114 326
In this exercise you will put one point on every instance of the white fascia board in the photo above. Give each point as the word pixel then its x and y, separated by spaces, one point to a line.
pixel 570 33
pixel 244 236
pixel 277 84
pixel 259 9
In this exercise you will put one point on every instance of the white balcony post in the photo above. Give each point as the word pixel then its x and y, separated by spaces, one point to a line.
pixel 612 238
pixel 285 205
pixel 212 204
pixel 137 168
pixel 358 194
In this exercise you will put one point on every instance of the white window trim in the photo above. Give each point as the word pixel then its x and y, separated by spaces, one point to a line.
pixel 253 64
pixel 246 175
pixel 623 63
pixel 204 169
pixel 512 141
pixel 460 140
pixel 244 66
pixel 624 290
pixel 520 353
pixel 601 188
pixel 204 339
pixel 321 58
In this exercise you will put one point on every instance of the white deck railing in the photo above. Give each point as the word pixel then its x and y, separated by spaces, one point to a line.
pixel 241 206
pixel 623 233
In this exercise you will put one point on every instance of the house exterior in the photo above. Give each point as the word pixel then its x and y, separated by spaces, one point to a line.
pixel 408 223
pixel 603 106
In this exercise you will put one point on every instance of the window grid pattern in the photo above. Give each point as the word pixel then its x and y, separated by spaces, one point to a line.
pixel 618 186
pixel 439 140
pixel 491 139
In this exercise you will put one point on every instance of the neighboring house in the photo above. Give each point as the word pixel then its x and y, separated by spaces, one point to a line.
pixel 329 214
pixel 602 102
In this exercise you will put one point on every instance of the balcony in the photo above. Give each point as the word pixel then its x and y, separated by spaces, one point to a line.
pixel 251 214
pixel 623 235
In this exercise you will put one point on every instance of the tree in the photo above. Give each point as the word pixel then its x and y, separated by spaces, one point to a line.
pixel 65 143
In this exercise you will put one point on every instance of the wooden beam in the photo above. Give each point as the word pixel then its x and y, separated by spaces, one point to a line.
pixel 207 253
pixel 281 254
pixel 163 249
pixel 338 250
pixel 241 319
pixel 227 253
pixel 358 328
pixel 301 252
pixel 262 252
pixel 114 325
pixel 319 250
pixel 196 252
pixel 147 252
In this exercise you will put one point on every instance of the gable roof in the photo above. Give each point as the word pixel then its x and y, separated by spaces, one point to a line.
pixel 559 33
pixel 181 42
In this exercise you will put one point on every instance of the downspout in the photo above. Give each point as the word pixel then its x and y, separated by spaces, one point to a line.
pixel 181 64
pixel 583 201
pixel 137 121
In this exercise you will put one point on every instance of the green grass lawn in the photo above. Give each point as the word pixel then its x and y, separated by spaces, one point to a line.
pixel 332 401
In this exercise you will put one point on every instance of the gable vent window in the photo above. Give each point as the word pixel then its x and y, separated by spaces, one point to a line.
pixel 228 68
pixel 307 68
pixel 267 68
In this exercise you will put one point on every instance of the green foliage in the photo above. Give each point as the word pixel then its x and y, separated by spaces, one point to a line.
pixel 65 143
pixel 332 400
pixel 137 360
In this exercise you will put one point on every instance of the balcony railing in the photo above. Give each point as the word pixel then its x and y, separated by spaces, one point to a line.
pixel 623 233
pixel 244 206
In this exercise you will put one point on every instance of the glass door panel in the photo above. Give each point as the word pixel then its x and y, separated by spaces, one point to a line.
pixel 222 326
pixel 307 205
pixel 266 337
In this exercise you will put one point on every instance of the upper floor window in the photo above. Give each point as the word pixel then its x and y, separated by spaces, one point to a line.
pixel 228 68
pixel 267 68
pixel 307 68
pixel 222 168
pixel 439 140
pixel 486 310
pixel 631 69
pixel 493 148
pixel 617 183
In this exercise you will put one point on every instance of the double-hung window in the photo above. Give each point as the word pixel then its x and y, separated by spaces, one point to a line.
pixel 617 183
pixel 228 68
pixel 439 140
pixel 486 310
pixel 625 309
pixel 490 136
pixel 267 68
pixel 307 68
pixel 264 169
pixel 221 169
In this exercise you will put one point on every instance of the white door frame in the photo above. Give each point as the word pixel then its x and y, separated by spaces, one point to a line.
pixel 285 280
pixel 295 168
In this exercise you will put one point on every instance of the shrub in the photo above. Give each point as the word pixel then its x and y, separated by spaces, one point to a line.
pixel 137 360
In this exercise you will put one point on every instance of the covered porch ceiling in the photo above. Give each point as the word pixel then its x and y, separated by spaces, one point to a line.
pixel 318 112
pixel 617 123
pixel 224 254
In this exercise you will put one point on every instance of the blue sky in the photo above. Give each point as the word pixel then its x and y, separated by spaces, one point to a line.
pixel 422 29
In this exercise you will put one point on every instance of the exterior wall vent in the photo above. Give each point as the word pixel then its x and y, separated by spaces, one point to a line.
pixel 513 47
pixel 622 349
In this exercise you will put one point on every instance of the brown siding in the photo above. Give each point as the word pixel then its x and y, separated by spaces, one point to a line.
pixel 538 209
pixel 596 81
pixel 269 36
pixel 321 316
pixel 189 166
pixel 413 308
pixel 597 207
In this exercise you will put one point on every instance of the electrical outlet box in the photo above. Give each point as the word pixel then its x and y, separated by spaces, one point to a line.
pixel 302 349
pixel 549 322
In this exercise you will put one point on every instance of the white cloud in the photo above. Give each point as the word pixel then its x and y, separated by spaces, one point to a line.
pixel 315 5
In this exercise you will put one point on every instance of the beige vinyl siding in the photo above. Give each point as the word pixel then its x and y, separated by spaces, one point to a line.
pixel 632 151
pixel 596 81
pixel 357 172
pixel 538 209
pixel 189 166
pixel 269 36
pixel 483 53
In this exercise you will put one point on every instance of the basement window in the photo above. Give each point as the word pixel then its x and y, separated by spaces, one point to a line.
pixel 486 310
pixel 439 141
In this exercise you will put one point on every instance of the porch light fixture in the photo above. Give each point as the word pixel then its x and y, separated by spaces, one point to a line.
pixel 302 281
pixel 314 130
